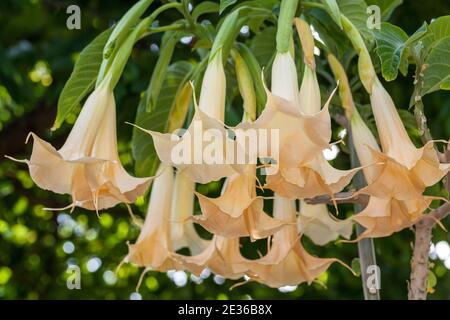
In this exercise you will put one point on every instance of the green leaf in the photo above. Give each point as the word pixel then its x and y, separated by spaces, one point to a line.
pixel 333 9
pixel 437 30
pixel 386 7
pixel 356 266
pixel 146 160
pixel 225 4
pixel 410 46
pixel 431 280
pixel 82 79
pixel 257 12
pixel 437 68
pixel 356 12
pixel 169 41
pixel 203 8
pixel 440 27
pixel 391 41
pixel 335 39
pixel 263 45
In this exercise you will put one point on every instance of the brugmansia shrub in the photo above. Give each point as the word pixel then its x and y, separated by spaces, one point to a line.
pixel 294 194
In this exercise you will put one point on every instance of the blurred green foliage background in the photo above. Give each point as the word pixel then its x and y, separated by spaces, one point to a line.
pixel 37 53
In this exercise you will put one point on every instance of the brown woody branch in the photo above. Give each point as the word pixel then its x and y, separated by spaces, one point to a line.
pixel 417 288
pixel 341 197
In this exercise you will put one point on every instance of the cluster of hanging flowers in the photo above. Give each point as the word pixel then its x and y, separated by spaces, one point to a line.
pixel 88 168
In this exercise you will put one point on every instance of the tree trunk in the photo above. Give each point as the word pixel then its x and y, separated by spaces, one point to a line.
pixel 417 289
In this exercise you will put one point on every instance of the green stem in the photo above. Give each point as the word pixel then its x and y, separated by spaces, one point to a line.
pixel 170 27
pixel 121 58
pixel 366 69
pixel 226 35
pixel 119 35
pixel 312 5
pixel 284 30
pixel 185 12
pixel 117 62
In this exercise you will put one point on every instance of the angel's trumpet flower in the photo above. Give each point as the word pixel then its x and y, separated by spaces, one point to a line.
pixel 222 256
pixel 187 153
pixel 315 222
pixel 422 163
pixel 238 212
pixel 287 262
pixel 87 166
pixel 384 216
pixel 182 229
pixel 154 248
pixel 312 175
pixel 396 201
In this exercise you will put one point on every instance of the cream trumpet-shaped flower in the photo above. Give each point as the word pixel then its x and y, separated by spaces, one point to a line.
pixel 303 170
pixel 384 216
pixel 301 136
pixel 87 166
pixel 154 248
pixel 238 212
pixel 423 163
pixel 182 229
pixel 287 262
pixel 315 222
pixel 396 201
pixel 204 152
pixel 404 173
pixel 222 256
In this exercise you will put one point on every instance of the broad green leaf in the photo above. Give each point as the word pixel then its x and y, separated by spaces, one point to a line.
pixel 225 4
pixel 437 68
pixel 440 27
pixel 356 12
pixel 333 9
pixel 386 7
pixel 82 79
pixel 257 12
pixel 146 160
pixel 437 30
pixel 263 45
pixel 335 39
pixel 391 42
pixel 409 48
pixel 169 41
pixel 203 8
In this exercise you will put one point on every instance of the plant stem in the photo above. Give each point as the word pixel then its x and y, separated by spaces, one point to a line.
pixel 285 20
pixel 366 248
pixel 183 8
pixel 312 5
pixel 170 27
pixel 417 288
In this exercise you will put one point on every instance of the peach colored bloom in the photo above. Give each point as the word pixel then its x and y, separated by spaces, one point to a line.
pixel 87 166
